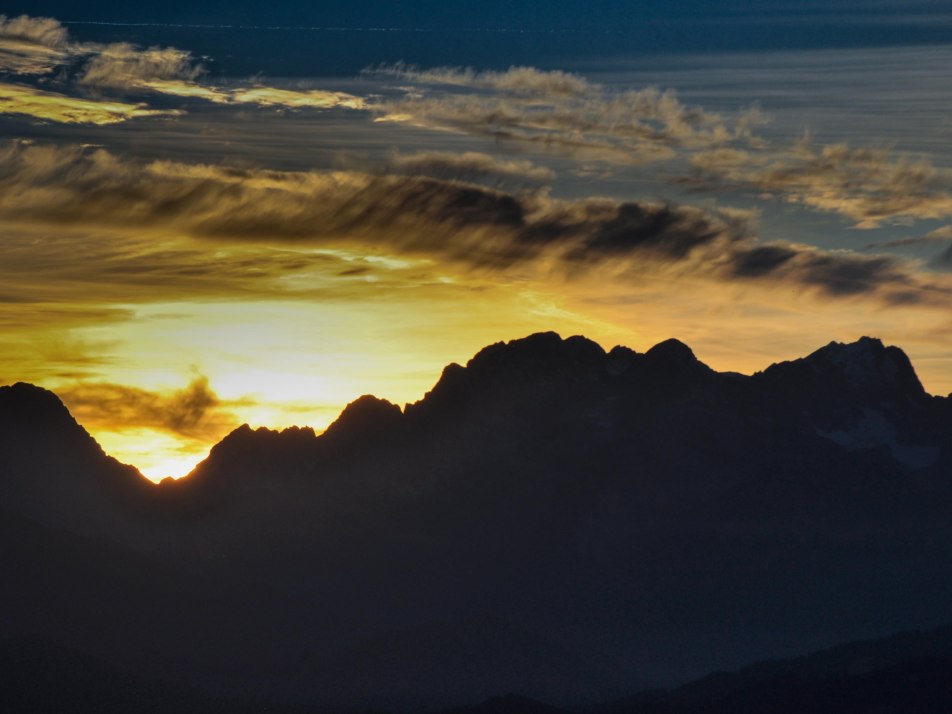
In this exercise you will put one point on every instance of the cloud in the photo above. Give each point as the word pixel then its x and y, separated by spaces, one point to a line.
pixel 471 167
pixel 195 411
pixel 516 80
pixel 31 45
pixel 467 225
pixel 99 72
pixel 60 108
pixel 836 273
pixel 41 45
pixel 54 186
pixel 937 236
pixel 56 272
pixel 558 111
pixel 870 185
pixel 943 261
pixel 124 66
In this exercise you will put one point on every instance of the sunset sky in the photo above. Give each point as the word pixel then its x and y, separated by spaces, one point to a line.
pixel 206 225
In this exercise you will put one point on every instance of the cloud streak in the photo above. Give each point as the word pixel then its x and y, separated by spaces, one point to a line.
pixel 195 411
pixel 123 66
pixel 32 45
pixel 560 111
pixel 566 113
pixel 869 185
pixel 102 74
pixel 470 226
pixel 55 107
pixel 471 167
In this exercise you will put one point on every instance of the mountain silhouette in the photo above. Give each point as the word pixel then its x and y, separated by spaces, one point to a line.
pixel 550 519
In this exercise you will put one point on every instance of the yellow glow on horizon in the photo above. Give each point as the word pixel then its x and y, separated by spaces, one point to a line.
pixel 298 362
pixel 157 454
pixel 292 363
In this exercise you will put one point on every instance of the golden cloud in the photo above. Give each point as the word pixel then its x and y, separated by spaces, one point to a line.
pixel 471 167
pixel 124 66
pixel 560 111
pixel 39 46
pixel 195 411
pixel 31 45
pixel 51 106
pixel 463 224
pixel 870 185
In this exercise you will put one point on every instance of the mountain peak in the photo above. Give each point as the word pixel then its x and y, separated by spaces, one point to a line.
pixel 868 363
pixel 365 417
pixel 23 404
pixel 538 353
pixel 883 373
pixel 673 357
pixel 672 349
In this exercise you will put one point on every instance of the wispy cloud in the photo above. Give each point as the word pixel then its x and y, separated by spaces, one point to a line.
pixel 938 236
pixel 516 80
pixel 32 45
pixel 124 66
pixel 94 78
pixel 195 411
pixel 56 107
pixel 471 167
pixel 870 185
pixel 566 113
pixel 471 226
pixel 560 111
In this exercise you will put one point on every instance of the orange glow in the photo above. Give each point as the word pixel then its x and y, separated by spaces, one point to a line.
pixel 156 454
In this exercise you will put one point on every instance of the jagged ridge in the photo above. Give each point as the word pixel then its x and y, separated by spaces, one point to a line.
pixel 621 517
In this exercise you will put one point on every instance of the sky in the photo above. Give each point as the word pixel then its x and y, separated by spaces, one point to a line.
pixel 217 215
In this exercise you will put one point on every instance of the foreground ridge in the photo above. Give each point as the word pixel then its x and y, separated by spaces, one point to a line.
pixel 550 519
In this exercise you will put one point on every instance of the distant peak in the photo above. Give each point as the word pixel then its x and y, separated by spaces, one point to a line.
pixel 672 349
pixel 26 393
pixel 867 364
pixel 366 416
pixel 849 350
pixel 674 355
pixel 538 353
pixel 27 403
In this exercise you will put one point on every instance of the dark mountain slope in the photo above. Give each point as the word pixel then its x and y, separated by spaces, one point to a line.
pixel 607 520
pixel 907 672
pixel 52 470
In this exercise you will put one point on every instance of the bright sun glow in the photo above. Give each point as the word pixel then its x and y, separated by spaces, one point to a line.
pixel 156 454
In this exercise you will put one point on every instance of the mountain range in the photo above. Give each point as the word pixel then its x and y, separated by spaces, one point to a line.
pixel 551 519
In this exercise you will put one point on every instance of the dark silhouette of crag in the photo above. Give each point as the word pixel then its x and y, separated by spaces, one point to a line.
pixel 550 519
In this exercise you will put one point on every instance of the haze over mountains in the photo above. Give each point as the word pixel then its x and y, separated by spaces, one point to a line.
pixel 550 519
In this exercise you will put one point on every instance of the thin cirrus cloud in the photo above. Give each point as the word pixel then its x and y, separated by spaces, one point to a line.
pixel 559 111
pixel 549 111
pixel 42 49
pixel 470 226
pixel 123 66
pixel 32 45
pixel 23 100
pixel 869 185
pixel 939 236
pixel 527 81
pixel 471 167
